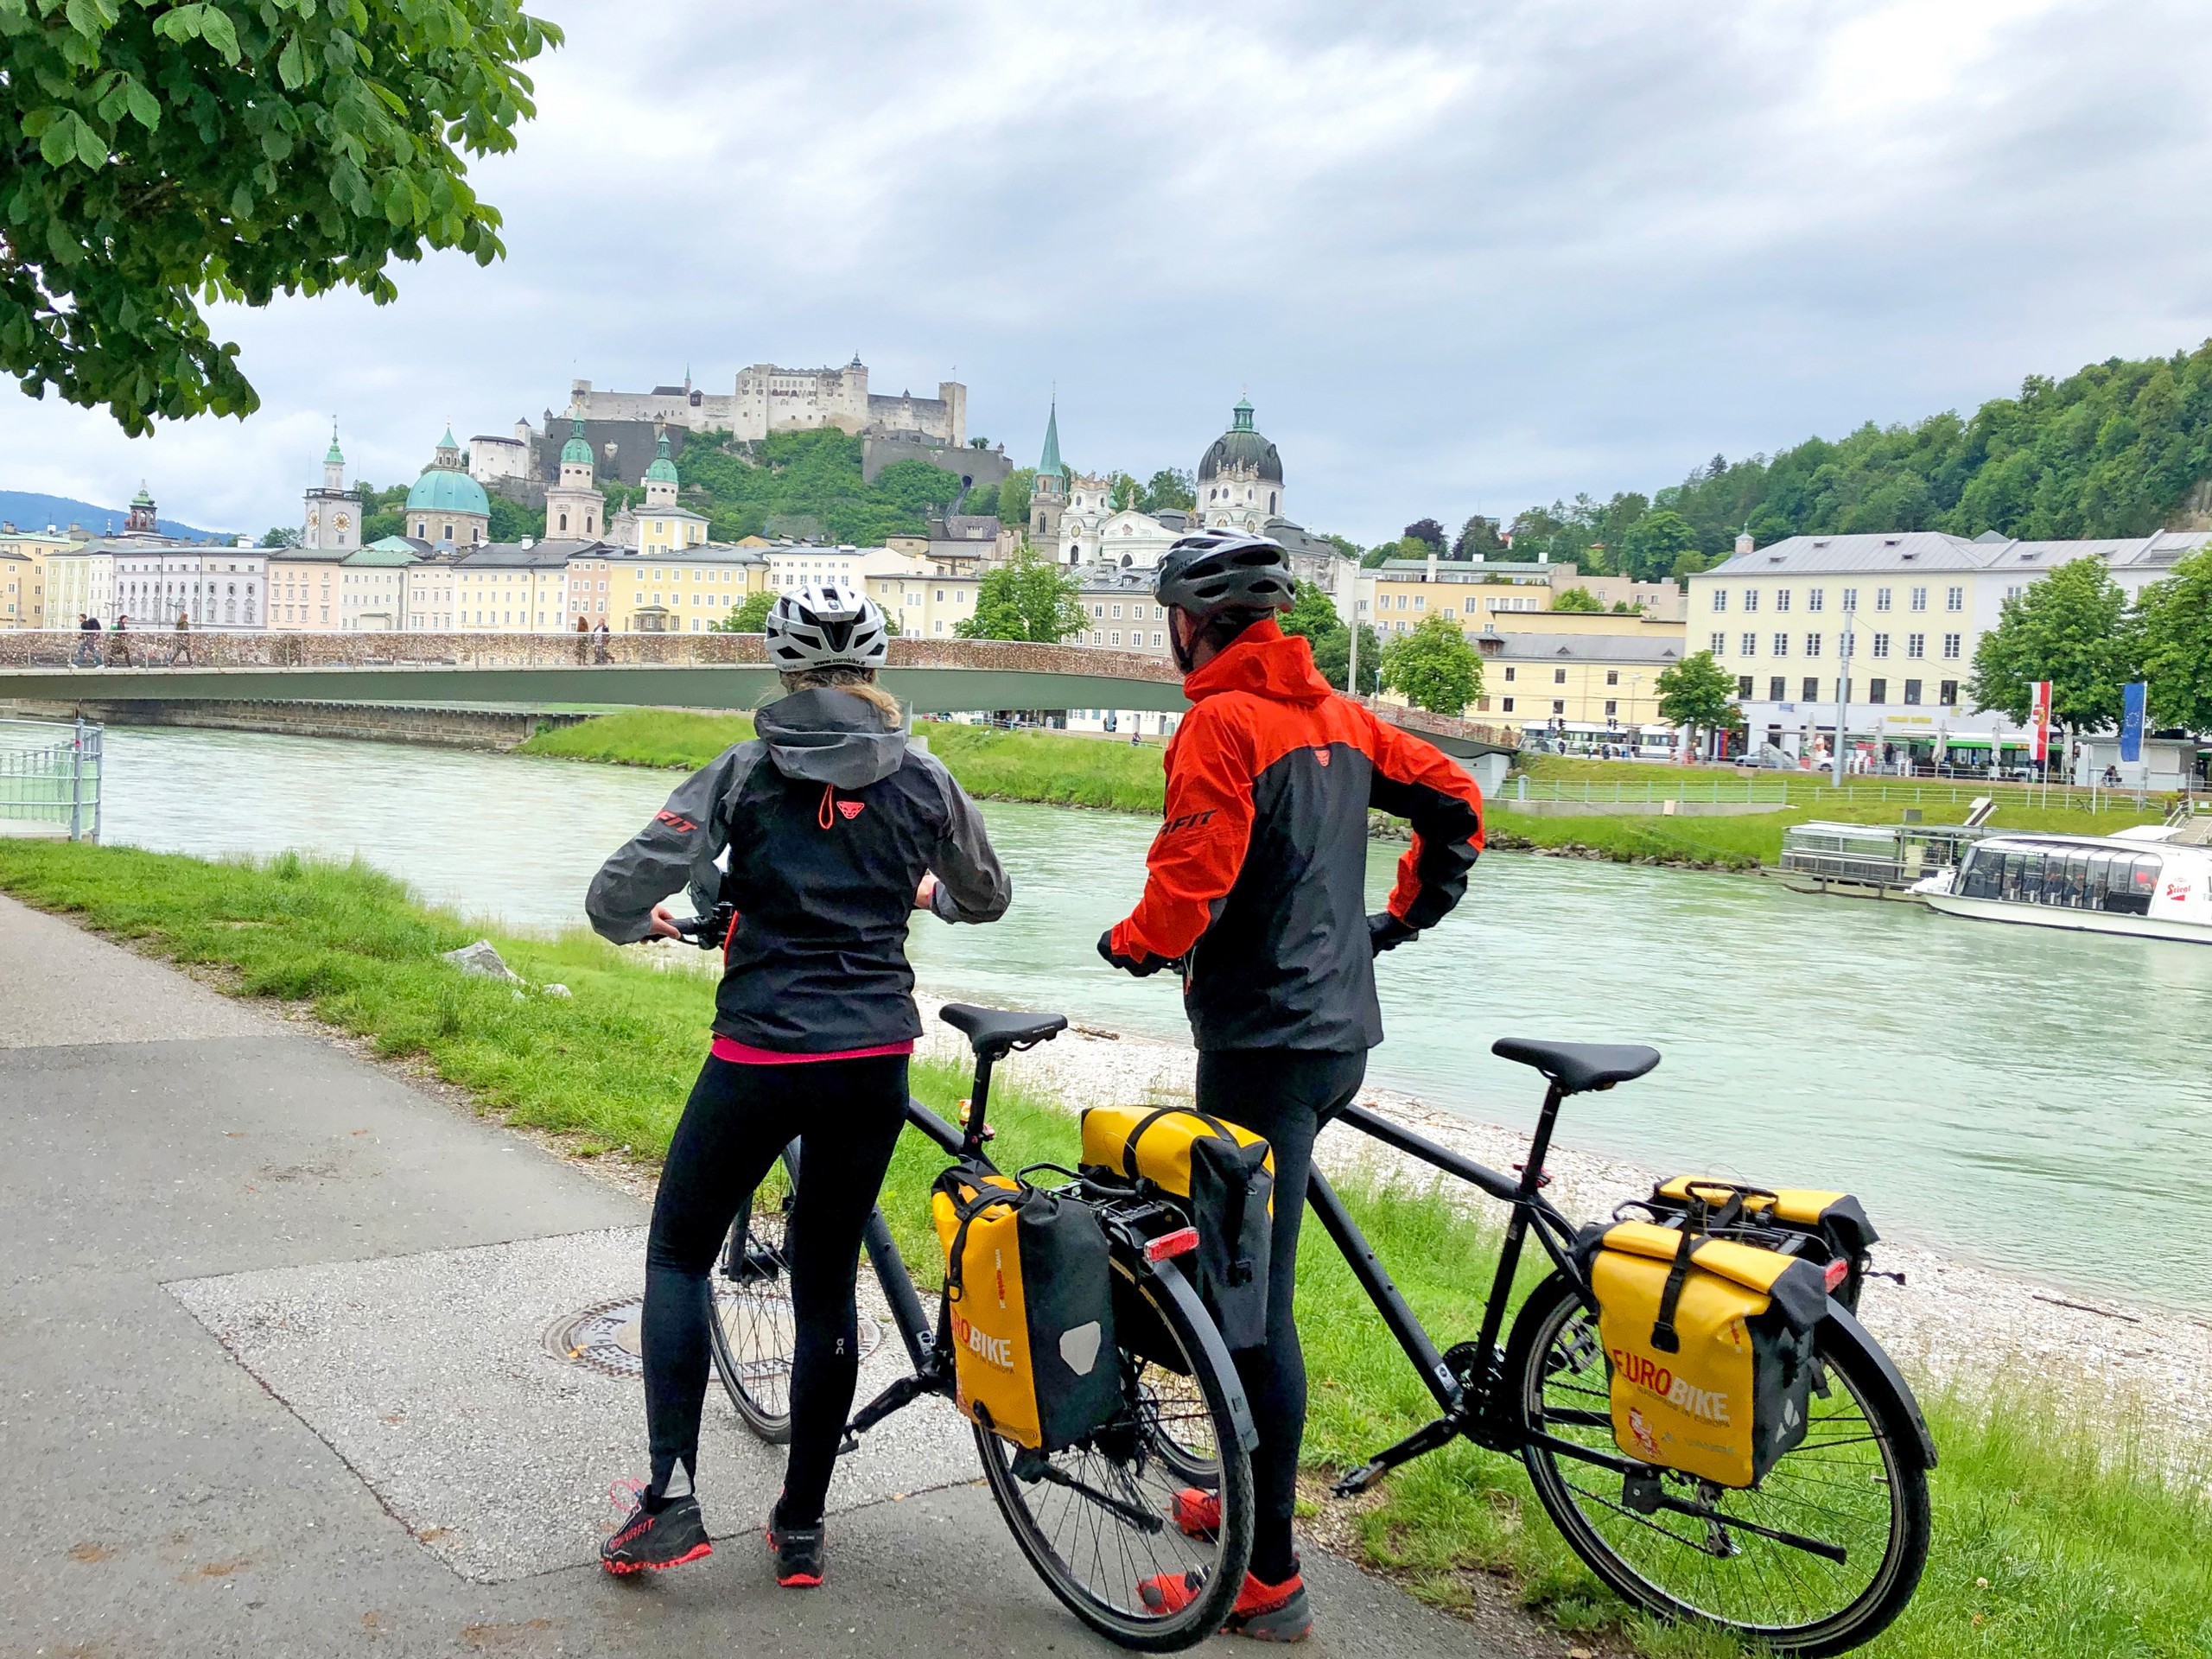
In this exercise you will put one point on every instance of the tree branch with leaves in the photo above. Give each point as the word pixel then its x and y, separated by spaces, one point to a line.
pixel 157 157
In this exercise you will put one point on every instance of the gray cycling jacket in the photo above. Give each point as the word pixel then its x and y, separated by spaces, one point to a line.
pixel 829 822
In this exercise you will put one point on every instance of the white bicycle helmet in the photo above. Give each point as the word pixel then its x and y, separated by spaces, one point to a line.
pixel 826 625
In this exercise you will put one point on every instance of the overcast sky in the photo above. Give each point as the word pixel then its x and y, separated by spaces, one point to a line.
pixel 1463 258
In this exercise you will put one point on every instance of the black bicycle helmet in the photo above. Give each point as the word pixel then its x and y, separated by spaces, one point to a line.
pixel 1216 571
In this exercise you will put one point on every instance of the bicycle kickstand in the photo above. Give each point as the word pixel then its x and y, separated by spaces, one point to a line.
pixel 902 1393
pixel 1422 1440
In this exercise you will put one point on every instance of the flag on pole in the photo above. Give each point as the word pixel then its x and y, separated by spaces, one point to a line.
pixel 2131 721
pixel 2040 721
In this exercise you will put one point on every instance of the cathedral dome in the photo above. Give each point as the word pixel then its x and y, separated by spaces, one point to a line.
pixel 1241 450
pixel 441 491
pixel 663 470
pixel 576 452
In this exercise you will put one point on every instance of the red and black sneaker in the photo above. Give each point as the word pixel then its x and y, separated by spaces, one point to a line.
pixel 654 1540
pixel 1265 1612
pixel 798 1551
pixel 1196 1514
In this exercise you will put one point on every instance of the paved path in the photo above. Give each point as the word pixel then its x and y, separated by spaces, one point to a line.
pixel 270 1380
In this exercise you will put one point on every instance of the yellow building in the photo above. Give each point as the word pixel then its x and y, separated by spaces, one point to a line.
pixel 305 590
pixel 1579 684
pixel 1399 594
pixel 925 606
pixel 23 554
pixel 679 591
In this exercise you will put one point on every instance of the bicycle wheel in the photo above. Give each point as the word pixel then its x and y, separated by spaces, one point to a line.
pixel 1849 1484
pixel 1094 1519
pixel 753 1330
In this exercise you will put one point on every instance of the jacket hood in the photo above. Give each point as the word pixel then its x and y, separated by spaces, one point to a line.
pixel 823 735
pixel 1264 661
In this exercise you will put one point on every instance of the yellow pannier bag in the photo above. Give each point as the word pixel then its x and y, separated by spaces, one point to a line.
pixel 1224 1175
pixel 1709 1345
pixel 1028 1307
pixel 1833 1225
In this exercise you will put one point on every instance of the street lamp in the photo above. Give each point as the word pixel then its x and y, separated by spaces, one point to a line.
pixel 1842 706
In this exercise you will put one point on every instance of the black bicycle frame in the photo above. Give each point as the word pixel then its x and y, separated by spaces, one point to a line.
pixel 1475 1408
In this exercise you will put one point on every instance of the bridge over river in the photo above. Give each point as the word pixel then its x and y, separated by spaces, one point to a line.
pixel 707 671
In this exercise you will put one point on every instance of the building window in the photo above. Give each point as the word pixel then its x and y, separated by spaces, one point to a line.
pixel 1811 689
pixel 1748 645
pixel 1782 600
pixel 1718 644
pixel 1114 637
pixel 1912 692
pixel 1951 646
pixel 1508 673
pixel 1506 705
pixel 1915 645
pixel 1881 599
pixel 1744 687
pixel 1613 677
pixel 1816 599
pixel 1559 676
pixel 1955 599
pixel 1947 693
pixel 1720 598
pixel 1156 638
pixel 1751 599
pixel 1558 707
pixel 1812 645
pixel 1919 600
pixel 1851 599
pixel 1612 707
pixel 1881 645
pixel 1878 691
pixel 1782 644
pixel 1777 688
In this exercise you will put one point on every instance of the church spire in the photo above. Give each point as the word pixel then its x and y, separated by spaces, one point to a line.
pixel 1048 464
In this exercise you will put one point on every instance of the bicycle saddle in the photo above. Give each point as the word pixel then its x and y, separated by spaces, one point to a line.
pixel 1001 1029
pixel 1577 1066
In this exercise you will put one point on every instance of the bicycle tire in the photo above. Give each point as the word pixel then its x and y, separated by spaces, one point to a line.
pixel 752 1330
pixel 1142 1466
pixel 1555 1364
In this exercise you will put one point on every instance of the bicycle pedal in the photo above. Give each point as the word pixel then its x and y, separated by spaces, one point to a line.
pixel 1359 1480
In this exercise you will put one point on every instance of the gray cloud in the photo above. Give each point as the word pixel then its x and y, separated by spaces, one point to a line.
pixel 1462 257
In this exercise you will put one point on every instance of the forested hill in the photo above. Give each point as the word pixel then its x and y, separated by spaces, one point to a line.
pixel 2117 448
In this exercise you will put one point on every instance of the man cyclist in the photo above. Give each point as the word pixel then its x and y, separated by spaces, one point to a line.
pixel 825 832
pixel 1257 885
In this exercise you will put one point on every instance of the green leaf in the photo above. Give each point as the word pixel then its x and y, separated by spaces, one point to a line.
pixel 241 204
pixel 291 67
pixel 180 24
pixel 59 141
pixel 91 149
pixel 144 107
pixel 215 28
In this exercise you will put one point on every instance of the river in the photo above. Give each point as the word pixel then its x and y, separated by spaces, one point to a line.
pixel 2034 1099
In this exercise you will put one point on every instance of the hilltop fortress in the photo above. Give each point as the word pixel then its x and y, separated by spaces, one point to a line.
pixel 768 399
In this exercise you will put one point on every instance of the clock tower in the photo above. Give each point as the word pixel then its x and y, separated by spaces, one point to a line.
pixel 333 512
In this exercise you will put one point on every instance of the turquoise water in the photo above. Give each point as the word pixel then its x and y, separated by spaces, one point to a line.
pixel 2029 1098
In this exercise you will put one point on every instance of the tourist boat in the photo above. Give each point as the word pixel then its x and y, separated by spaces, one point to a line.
pixel 2144 885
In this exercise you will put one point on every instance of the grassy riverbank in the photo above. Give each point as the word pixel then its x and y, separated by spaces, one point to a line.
pixel 992 766
pixel 2049 1543
pixel 1063 771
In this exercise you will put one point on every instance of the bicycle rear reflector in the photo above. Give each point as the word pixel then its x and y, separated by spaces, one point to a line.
pixel 1181 1241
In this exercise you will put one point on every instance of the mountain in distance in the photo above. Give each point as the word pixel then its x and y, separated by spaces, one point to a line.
pixel 27 510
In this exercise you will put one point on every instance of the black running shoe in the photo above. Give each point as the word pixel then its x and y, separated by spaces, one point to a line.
pixel 650 1540
pixel 798 1551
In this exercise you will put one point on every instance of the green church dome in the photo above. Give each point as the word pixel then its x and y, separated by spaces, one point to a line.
pixel 441 491
pixel 576 452
pixel 663 470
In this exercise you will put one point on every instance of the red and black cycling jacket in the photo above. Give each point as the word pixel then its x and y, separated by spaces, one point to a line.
pixel 1259 868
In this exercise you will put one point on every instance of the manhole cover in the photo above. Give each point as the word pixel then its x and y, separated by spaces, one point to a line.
pixel 607 1336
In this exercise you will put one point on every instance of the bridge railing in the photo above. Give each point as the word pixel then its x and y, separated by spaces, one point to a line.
pixel 50 779
pixel 207 648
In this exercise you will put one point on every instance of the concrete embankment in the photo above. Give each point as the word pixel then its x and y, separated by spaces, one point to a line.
pixel 444 726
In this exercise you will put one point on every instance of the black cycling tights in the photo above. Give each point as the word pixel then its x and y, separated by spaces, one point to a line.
pixel 846 1115
pixel 1285 1094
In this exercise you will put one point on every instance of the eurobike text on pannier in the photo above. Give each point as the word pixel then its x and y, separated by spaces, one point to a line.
pixel 1028 1307
pixel 1709 1340
pixel 1220 1173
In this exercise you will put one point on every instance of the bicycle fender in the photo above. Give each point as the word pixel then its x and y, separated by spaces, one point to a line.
pixel 1912 1433
pixel 1169 1277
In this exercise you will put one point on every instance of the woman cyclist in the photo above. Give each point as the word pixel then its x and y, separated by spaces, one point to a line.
pixel 833 830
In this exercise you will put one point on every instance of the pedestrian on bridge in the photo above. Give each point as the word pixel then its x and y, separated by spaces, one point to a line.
pixel 118 644
pixel 88 641
pixel 182 650
pixel 583 642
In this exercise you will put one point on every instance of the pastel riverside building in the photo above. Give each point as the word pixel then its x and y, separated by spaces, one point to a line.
pixel 925 604
pixel 1917 603
pixel 677 590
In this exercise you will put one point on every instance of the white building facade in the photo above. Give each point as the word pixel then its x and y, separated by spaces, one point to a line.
pixel 215 587
pixel 1916 604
